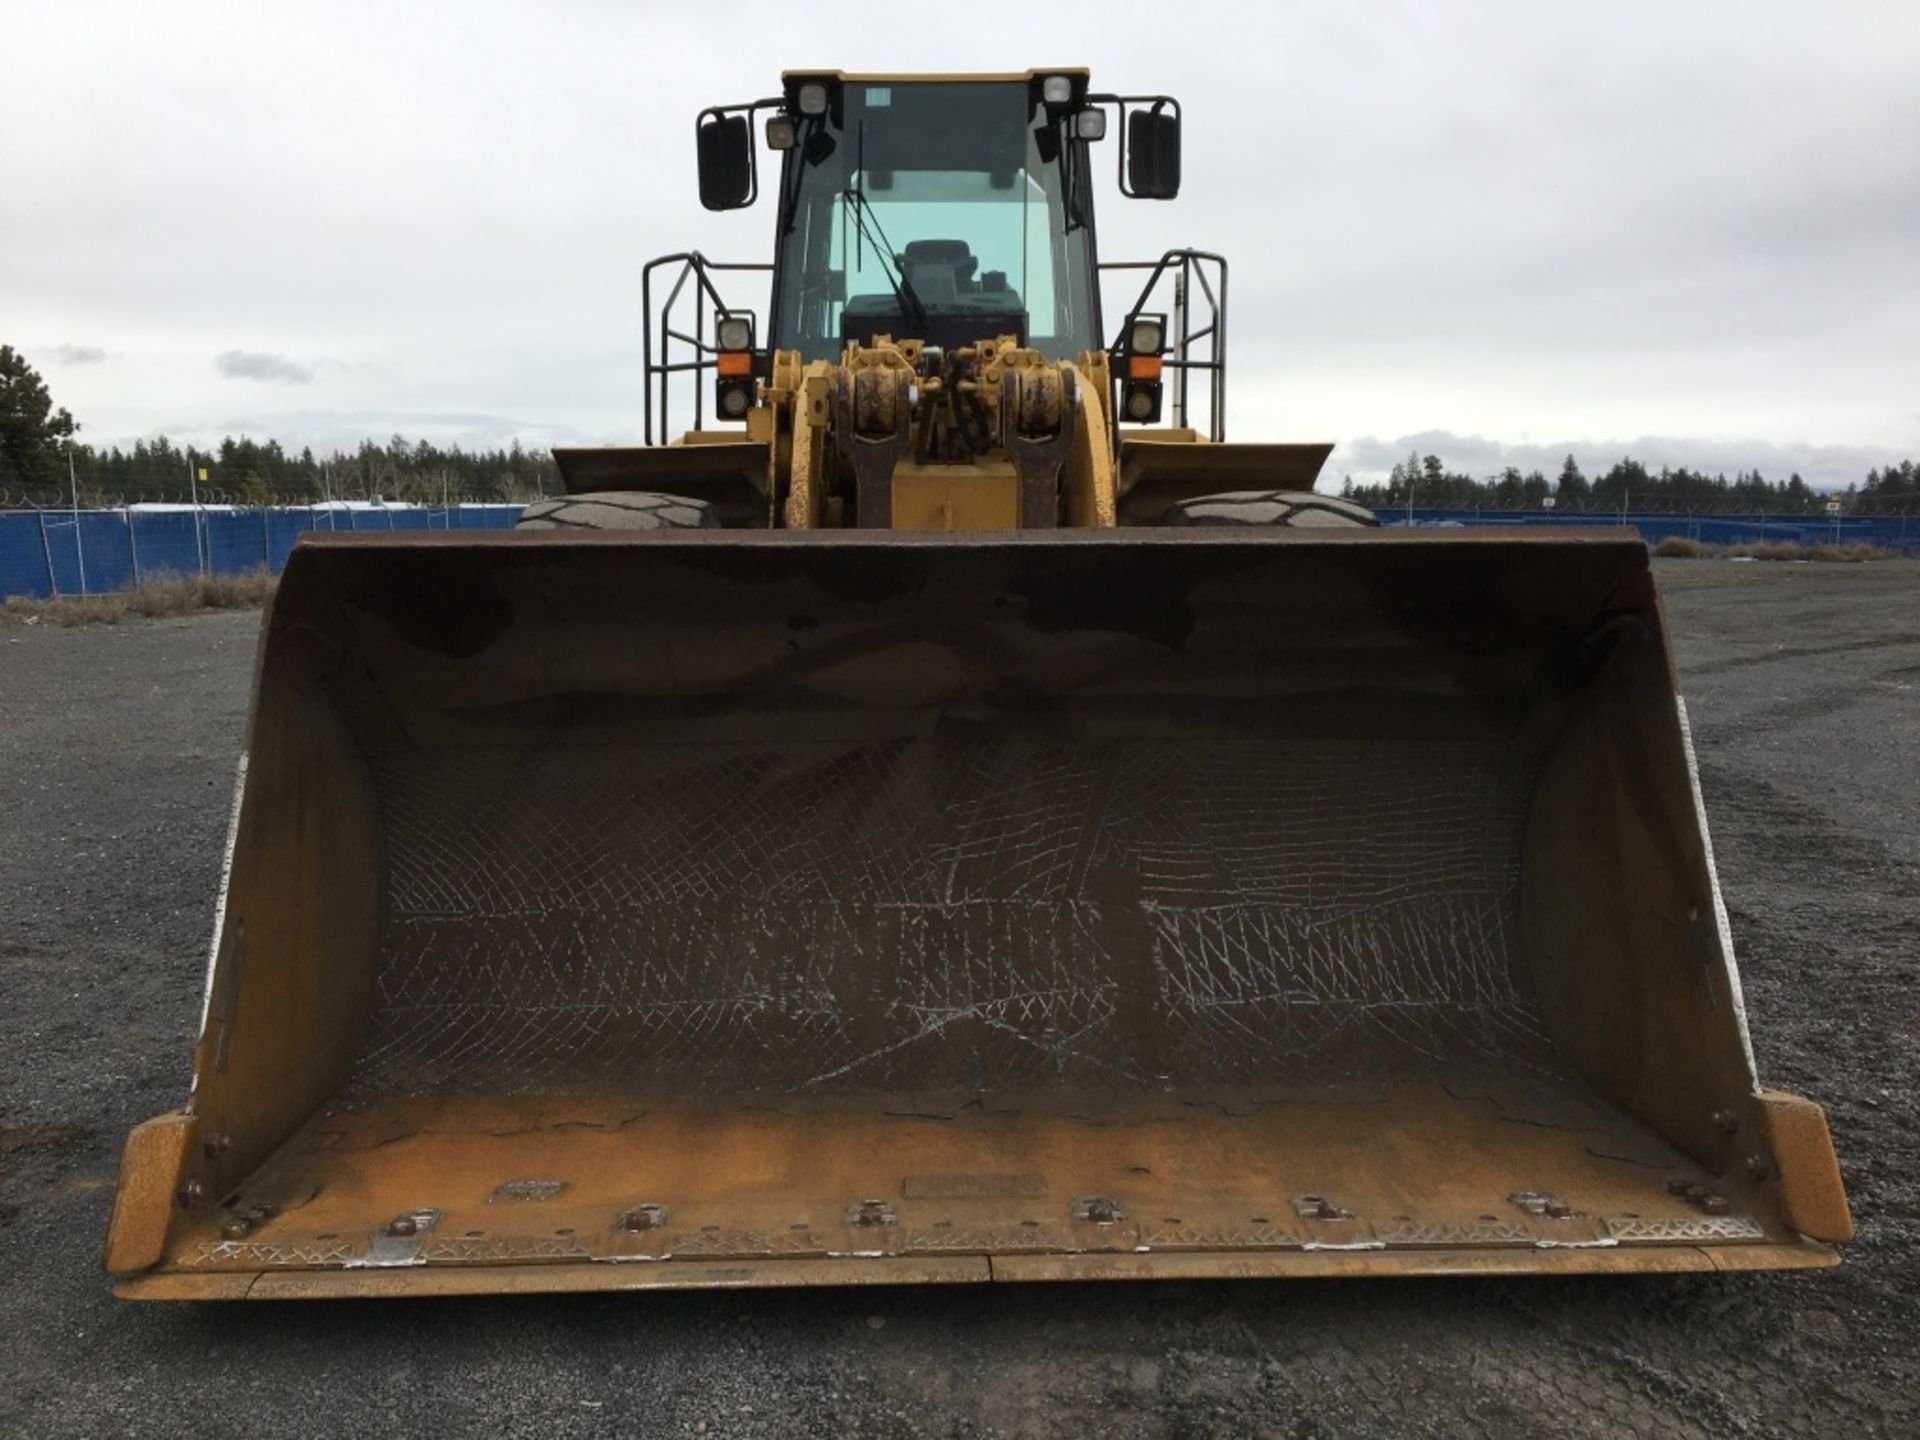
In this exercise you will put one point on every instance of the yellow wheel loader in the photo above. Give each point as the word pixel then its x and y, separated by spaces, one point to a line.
pixel 939 819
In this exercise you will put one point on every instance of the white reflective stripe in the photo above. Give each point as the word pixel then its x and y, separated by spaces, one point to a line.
pixel 220 904
pixel 1729 967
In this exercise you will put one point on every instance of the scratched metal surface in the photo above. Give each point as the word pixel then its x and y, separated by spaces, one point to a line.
pixel 949 913
pixel 948 815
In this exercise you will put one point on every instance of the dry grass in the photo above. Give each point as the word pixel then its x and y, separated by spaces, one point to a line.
pixel 1678 547
pixel 1850 551
pixel 161 596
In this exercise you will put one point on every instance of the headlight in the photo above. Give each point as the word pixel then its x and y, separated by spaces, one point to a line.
pixel 733 332
pixel 780 132
pixel 1057 89
pixel 1140 404
pixel 1148 335
pixel 812 98
pixel 734 401
pixel 1091 123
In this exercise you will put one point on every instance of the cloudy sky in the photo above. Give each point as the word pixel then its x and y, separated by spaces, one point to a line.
pixel 1690 232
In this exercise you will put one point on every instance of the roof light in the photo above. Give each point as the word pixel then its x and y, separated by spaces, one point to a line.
pixel 1057 89
pixel 812 98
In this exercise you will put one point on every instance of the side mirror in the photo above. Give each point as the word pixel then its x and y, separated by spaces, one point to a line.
pixel 726 161
pixel 1153 154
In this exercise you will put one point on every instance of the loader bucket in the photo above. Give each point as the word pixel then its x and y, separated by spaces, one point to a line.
pixel 717 909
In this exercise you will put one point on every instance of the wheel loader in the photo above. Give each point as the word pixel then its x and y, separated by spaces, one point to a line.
pixel 950 816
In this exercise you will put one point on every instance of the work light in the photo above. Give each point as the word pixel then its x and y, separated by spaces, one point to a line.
pixel 733 330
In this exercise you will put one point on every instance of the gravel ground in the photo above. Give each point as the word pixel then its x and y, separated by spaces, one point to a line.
pixel 117 748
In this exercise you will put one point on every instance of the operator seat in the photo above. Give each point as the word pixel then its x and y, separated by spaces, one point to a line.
pixel 940 271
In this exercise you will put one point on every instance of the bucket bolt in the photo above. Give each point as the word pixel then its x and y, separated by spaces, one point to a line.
pixel 1318 1207
pixel 1540 1203
pixel 1703 1198
pixel 1099 1212
pixel 644 1217
pixel 870 1214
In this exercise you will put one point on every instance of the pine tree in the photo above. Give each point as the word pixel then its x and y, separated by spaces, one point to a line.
pixel 31 430
pixel 1573 491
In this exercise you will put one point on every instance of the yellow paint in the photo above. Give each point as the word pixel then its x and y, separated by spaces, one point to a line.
pixel 956 497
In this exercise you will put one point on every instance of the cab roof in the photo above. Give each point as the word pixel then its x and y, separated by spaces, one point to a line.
pixel 896 77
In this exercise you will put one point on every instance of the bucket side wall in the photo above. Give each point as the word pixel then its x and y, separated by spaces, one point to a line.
pixel 1624 925
pixel 290 984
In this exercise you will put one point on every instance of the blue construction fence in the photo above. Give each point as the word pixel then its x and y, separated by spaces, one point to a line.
pixel 89 552
pixel 44 553
pixel 1887 532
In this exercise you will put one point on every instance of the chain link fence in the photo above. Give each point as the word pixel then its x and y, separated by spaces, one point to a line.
pixel 265 477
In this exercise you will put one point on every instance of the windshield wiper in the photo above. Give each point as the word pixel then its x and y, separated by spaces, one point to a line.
pixel 903 290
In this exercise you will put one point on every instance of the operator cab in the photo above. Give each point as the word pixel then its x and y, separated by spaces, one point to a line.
pixel 945 211
pixel 952 212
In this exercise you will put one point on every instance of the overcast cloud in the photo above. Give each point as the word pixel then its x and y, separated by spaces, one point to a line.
pixel 257 365
pixel 1688 232
pixel 76 354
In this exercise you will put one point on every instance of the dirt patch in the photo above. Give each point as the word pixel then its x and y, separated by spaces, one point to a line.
pixel 55 1138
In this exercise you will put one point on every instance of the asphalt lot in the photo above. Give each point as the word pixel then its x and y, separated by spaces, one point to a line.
pixel 117 749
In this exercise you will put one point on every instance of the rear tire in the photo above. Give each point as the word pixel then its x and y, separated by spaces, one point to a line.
pixel 1294 509
pixel 619 510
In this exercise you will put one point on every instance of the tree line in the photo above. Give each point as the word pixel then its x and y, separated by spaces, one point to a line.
pixel 251 472
pixel 1424 482
pixel 43 463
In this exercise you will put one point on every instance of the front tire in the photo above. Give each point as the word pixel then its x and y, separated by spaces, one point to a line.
pixel 1292 509
pixel 619 510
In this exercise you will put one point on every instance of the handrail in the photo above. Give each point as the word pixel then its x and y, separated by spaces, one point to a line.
pixel 1191 269
pixel 705 298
